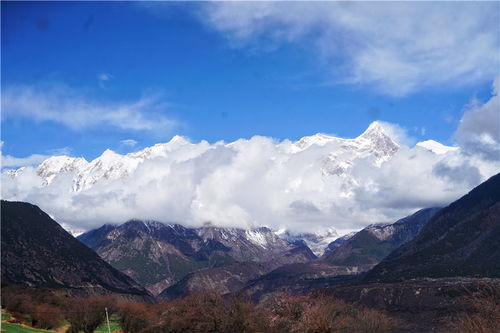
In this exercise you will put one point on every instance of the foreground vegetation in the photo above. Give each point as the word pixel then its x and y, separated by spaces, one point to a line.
pixel 209 312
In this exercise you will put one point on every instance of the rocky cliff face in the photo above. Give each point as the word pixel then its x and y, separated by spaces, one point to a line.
pixel 37 251
pixel 460 240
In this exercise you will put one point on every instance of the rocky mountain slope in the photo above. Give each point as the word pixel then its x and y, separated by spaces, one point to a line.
pixel 297 279
pixel 222 280
pixel 373 243
pixel 37 251
pixel 338 242
pixel 158 255
pixel 460 240
pixel 233 277
pixel 344 261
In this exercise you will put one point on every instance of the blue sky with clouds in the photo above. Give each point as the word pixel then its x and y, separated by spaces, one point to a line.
pixel 81 77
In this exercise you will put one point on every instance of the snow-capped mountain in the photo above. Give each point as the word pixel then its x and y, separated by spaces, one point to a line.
pixel 340 156
pixel 374 143
pixel 436 147
pixel 109 166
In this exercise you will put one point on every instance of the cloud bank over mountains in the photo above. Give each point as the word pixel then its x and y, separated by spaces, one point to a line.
pixel 479 130
pixel 315 183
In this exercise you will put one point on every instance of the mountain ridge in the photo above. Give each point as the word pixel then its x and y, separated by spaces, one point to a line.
pixel 159 255
pixel 460 240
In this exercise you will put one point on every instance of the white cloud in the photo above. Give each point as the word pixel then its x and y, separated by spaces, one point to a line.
pixel 10 161
pixel 256 182
pixel 397 47
pixel 63 105
pixel 479 129
pixel 129 142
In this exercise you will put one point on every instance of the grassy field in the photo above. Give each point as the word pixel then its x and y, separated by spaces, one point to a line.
pixel 114 325
pixel 16 328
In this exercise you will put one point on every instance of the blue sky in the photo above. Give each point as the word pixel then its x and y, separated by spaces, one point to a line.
pixel 85 76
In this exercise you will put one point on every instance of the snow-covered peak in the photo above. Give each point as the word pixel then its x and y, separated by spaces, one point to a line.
pixel 110 165
pixel 375 141
pixel 317 139
pixel 59 164
pixel 12 173
pixel 109 156
pixel 436 147
pixel 178 140
pixel 375 129
pixel 161 149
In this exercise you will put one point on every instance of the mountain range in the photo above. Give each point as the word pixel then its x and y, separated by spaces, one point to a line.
pixel 158 255
pixel 173 261
pixel 319 180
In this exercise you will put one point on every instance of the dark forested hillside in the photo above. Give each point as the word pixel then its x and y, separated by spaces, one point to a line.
pixel 37 251
pixel 462 239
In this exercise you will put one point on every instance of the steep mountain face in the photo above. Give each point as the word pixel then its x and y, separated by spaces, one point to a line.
pixel 37 251
pixel 370 245
pixel 260 244
pixel 460 240
pixel 158 255
pixel 338 242
pixel 154 254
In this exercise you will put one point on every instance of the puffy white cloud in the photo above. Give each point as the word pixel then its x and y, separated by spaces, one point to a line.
pixel 11 161
pixel 63 105
pixel 397 47
pixel 257 182
pixel 479 129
